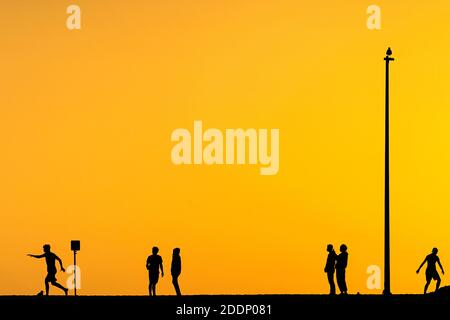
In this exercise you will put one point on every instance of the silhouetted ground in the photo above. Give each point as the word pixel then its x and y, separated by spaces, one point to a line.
pixel 281 306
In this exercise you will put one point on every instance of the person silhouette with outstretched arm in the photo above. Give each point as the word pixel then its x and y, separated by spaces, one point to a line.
pixel 154 263
pixel 431 272
pixel 330 267
pixel 175 270
pixel 50 259
pixel 341 265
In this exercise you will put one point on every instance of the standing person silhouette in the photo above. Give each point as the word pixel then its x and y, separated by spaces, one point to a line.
pixel 154 263
pixel 330 267
pixel 341 265
pixel 50 259
pixel 175 269
pixel 431 272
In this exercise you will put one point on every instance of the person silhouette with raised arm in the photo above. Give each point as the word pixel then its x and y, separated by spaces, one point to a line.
pixel 431 272
pixel 341 265
pixel 330 267
pixel 50 259
pixel 154 263
pixel 175 269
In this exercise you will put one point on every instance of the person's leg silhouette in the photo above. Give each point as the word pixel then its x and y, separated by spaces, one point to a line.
pixel 426 286
pixel 50 279
pixel 152 288
pixel 340 275
pixel 152 285
pixel 438 281
pixel 330 276
pixel 176 285
pixel 56 284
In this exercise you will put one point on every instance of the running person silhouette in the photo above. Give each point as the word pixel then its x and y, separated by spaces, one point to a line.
pixel 154 263
pixel 50 259
pixel 431 272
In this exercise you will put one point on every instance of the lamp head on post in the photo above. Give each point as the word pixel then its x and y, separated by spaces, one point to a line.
pixel 388 55
pixel 75 245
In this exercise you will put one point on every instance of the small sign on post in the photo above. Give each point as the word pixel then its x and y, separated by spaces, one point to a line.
pixel 75 246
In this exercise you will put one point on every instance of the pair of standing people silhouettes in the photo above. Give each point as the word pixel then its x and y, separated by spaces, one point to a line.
pixel 336 263
pixel 155 263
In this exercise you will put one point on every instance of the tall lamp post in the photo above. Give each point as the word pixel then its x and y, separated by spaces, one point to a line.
pixel 387 262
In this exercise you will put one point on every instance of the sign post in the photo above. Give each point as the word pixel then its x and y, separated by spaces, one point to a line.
pixel 75 246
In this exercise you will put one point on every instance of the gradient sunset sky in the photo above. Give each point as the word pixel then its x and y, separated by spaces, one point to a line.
pixel 86 118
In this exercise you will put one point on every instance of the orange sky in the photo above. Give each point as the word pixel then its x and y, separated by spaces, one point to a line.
pixel 86 118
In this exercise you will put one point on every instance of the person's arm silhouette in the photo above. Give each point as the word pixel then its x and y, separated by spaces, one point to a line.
pixel 418 270
pixel 36 256
pixel 440 265
pixel 162 270
pixel 60 263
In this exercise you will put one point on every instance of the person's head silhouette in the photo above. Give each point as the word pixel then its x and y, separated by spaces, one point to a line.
pixel 343 248
pixel 176 251
pixel 46 248
pixel 435 251
pixel 329 247
pixel 155 250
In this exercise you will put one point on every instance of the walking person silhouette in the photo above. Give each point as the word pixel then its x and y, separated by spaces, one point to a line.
pixel 50 259
pixel 330 267
pixel 341 265
pixel 154 263
pixel 431 272
pixel 175 269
